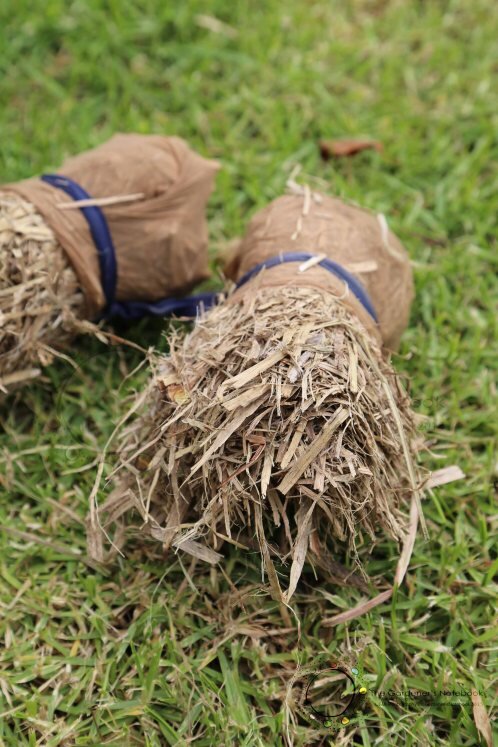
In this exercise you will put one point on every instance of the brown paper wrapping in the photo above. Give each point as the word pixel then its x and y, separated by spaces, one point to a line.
pixel 160 240
pixel 350 236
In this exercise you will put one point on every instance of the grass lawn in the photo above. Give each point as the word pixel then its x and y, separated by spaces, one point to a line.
pixel 155 652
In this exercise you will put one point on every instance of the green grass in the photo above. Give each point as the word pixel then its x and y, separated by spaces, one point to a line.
pixel 155 653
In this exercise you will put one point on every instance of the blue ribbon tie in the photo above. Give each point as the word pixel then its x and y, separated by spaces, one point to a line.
pixel 353 284
pixel 102 239
pixel 190 305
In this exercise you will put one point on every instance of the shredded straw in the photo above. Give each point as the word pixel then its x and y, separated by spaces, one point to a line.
pixel 291 431
pixel 40 298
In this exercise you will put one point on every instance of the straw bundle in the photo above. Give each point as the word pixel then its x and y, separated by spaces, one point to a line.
pixel 40 297
pixel 138 240
pixel 279 417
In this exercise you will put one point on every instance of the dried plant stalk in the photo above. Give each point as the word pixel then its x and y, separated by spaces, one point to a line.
pixel 40 297
pixel 270 425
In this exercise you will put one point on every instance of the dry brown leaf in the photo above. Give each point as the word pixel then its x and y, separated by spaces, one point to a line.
pixel 347 147
pixel 197 550
pixel 248 374
pixel 275 588
pixel 481 718
pixel 293 444
pixel 223 434
pixel 242 400
pixel 318 444
pixel 444 476
pixel 303 520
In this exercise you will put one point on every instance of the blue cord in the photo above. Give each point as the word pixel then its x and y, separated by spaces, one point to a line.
pixel 102 239
pixel 190 305
pixel 98 228
pixel 353 284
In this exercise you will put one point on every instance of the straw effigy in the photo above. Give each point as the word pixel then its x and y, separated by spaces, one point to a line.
pixel 121 231
pixel 279 419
